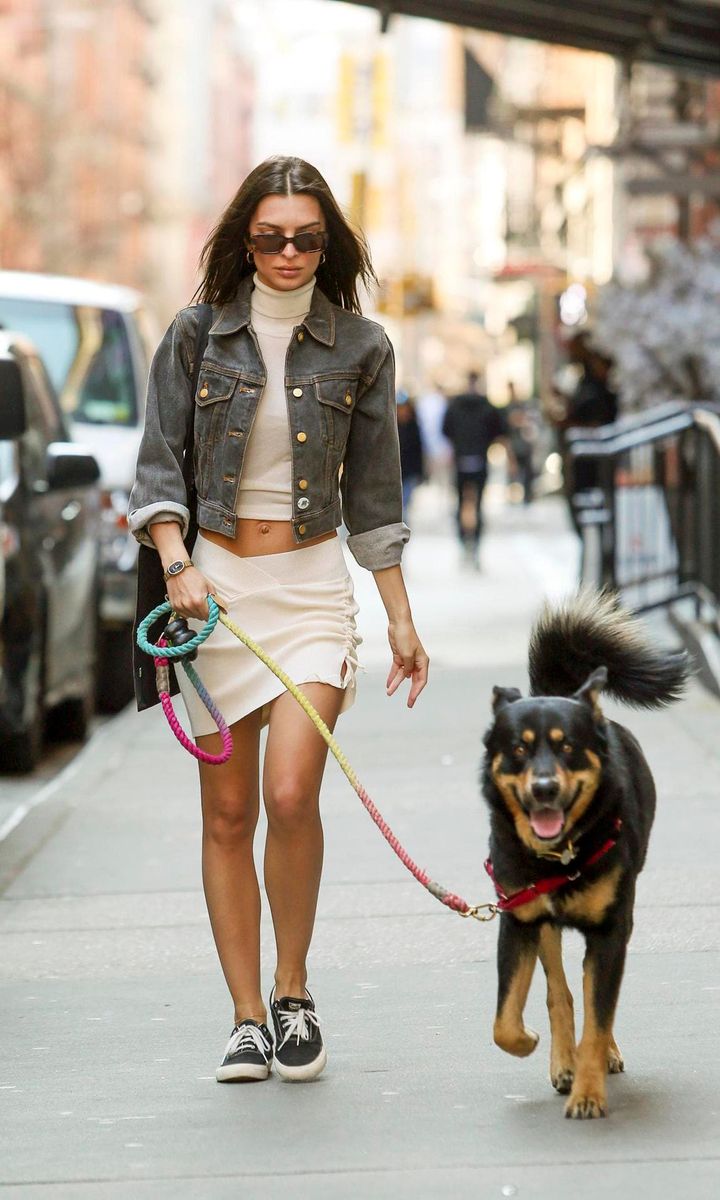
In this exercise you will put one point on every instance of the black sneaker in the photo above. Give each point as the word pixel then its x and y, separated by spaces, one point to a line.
pixel 248 1054
pixel 300 1053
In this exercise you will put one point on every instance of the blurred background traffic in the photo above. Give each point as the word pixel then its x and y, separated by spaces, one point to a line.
pixel 540 188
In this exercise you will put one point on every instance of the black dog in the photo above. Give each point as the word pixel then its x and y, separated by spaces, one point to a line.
pixel 572 802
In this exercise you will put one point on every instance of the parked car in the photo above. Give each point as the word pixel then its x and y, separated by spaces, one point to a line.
pixel 96 340
pixel 50 510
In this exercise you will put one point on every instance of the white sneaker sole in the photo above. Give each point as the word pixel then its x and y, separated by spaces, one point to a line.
pixel 237 1074
pixel 302 1074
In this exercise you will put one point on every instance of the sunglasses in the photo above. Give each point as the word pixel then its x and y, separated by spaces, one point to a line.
pixel 275 243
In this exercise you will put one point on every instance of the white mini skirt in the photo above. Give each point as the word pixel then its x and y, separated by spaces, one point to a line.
pixel 299 606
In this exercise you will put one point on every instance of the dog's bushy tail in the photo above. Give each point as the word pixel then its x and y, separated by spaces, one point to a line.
pixel 591 630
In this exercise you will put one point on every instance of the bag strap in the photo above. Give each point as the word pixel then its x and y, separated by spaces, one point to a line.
pixel 205 317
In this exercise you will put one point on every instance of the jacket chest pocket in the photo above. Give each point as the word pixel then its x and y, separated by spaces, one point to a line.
pixel 337 400
pixel 217 394
pixel 212 401
pixel 222 411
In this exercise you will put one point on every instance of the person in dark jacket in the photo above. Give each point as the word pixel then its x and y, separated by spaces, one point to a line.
pixel 412 459
pixel 294 430
pixel 592 404
pixel 471 425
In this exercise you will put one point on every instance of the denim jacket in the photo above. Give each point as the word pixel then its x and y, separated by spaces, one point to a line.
pixel 340 390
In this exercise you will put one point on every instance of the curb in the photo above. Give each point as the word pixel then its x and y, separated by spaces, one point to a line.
pixel 33 821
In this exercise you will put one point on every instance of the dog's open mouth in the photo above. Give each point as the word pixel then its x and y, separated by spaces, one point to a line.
pixel 547 823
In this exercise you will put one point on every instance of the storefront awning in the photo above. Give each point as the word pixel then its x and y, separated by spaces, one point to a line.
pixel 682 34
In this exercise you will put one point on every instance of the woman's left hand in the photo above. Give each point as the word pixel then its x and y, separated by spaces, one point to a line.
pixel 409 659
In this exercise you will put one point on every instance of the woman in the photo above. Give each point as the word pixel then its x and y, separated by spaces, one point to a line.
pixel 294 411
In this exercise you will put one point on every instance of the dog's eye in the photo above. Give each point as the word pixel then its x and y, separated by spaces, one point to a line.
pixel 520 752
pixel 567 748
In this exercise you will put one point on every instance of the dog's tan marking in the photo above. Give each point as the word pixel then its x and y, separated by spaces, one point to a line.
pixel 556 735
pixel 591 903
pixel 528 736
pixel 510 788
pixel 588 1097
pixel 509 1031
pixel 588 780
pixel 560 1009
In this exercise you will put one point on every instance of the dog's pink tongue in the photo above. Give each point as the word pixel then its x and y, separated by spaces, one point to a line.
pixel 547 823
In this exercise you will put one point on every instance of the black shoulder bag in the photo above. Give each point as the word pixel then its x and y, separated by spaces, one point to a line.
pixel 151 588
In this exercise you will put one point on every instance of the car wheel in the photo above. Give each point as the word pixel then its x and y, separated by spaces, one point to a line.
pixel 70 720
pixel 115 686
pixel 21 752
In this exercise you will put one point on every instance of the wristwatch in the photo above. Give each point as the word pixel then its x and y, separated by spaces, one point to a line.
pixel 176 567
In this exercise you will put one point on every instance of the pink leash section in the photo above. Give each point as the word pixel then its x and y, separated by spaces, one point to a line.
pixel 162 676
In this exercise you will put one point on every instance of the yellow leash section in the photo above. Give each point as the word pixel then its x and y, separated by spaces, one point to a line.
pixel 301 698
pixel 448 898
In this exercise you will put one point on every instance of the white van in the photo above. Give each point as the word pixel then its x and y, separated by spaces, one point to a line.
pixel 96 341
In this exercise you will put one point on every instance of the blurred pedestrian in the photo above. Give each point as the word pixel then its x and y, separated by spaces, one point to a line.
pixel 412 460
pixel 522 434
pixel 590 404
pixel 296 392
pixel 430 409
pixel 471 425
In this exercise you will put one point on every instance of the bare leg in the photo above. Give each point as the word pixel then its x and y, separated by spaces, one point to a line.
pixel 560 1010
pixel 294 763
pixel 230 802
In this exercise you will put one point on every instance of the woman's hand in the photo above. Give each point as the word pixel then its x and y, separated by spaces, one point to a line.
pixel 188 593
pixel 409 659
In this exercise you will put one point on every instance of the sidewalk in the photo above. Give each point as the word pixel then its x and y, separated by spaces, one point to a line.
pixel 114 1010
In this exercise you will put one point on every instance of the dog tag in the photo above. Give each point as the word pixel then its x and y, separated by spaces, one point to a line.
pixel 567 856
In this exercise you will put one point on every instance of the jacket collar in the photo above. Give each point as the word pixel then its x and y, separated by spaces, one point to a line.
pixel 234 316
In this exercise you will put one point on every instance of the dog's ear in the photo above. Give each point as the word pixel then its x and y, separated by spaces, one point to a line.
pixel 590 691
pixel 503 696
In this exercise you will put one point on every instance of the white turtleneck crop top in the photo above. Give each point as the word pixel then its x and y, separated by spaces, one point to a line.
pixel 265 491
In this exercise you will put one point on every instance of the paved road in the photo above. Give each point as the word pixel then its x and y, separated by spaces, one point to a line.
pixel 115 1012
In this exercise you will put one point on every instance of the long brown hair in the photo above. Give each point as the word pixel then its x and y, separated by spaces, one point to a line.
pixel 224 262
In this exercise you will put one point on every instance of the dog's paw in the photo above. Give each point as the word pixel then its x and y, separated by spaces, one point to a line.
pixel 586 1107
pixel 562 1079
pixel 518 1042
pixel 615 1061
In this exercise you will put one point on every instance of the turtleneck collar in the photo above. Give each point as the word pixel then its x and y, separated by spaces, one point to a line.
pixel 269 302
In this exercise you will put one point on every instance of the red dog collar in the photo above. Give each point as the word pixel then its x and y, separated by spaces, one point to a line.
pixel 553 883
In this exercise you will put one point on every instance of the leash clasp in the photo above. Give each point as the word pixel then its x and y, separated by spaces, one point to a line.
pixel 475 910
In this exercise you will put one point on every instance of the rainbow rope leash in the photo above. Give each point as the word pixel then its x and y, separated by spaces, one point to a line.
pixel 189 647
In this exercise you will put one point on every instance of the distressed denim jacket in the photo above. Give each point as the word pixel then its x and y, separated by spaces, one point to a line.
pixel 340 390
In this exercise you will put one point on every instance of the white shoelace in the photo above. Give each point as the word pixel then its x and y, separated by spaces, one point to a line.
pixel 297 1024
pixel 247 1037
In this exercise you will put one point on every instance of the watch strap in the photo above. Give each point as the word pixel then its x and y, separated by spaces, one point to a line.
pixel 187 562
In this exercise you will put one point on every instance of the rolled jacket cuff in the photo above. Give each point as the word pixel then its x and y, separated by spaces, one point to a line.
pixel 140 520
pixel 377 549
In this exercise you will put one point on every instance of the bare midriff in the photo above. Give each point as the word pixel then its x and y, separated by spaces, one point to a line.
pixel 262 537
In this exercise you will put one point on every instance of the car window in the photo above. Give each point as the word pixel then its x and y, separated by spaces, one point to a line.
pixel 41 429
pixel 46 401
pixel 53 329
pixel 87 354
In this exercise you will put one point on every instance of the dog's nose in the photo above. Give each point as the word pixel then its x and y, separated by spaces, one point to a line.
pixel 545 788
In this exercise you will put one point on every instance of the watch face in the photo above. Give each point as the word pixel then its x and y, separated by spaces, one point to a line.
pixel 175 568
